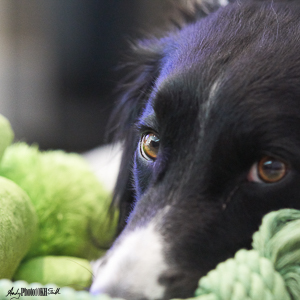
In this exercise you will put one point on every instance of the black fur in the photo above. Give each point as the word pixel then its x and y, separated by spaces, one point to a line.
pixel 252 50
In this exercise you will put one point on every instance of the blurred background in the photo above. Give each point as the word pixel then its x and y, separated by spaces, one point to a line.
pixel 57 60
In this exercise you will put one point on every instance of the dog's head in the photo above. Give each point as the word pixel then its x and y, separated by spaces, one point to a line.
pixel 210 119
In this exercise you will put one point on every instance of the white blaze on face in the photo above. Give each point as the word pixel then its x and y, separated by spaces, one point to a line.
pixel 223 2
pixel 190 4
pixel 207 106
pixel 211 101
pixel 133 265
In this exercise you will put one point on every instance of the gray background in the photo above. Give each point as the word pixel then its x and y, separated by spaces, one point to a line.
pixel 57 60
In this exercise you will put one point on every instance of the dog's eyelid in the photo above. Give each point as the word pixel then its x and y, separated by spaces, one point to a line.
pixel 147 122
pixel 144 129
pixel 139 128
pixel 146 125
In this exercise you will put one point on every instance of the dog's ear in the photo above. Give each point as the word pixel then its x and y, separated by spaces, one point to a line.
pixel 141 69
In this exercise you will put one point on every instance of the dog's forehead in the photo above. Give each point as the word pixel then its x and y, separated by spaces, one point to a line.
pixel 238 53
pixel 230 82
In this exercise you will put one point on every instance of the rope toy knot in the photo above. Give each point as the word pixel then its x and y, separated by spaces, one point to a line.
pixel 271 271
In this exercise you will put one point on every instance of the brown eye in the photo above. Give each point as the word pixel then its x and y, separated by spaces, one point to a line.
pixel 271 169
pixel 149 146
pixel 268 169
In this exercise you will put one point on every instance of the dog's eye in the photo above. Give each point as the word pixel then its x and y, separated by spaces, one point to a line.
pixel 149 146
pixel 268 170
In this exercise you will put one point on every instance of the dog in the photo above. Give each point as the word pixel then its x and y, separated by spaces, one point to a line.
pixel 210 120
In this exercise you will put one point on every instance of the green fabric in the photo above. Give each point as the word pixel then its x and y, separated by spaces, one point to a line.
pixel 18 225
pixel 70 203
pixel 64 213
pixel 64 293
pixel 63 270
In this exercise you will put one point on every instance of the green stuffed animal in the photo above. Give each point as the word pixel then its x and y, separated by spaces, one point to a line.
pixel 53 215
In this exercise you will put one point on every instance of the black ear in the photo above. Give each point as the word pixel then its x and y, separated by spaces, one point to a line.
pixel 142 69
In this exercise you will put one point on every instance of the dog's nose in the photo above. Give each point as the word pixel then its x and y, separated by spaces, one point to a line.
pixel 170 277
pixel 177 284
pixel 174 282
pixel 137 267
pixel 132 267
pixel 117 291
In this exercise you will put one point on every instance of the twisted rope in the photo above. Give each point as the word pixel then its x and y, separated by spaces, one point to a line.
pixel 271 271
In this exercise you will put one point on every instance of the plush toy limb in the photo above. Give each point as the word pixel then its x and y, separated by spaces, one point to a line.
pixel 18 226
pixel 271 271
pixel 7 288
pixel 60 270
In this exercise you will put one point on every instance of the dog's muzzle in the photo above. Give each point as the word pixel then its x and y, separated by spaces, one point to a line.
pixel 134 267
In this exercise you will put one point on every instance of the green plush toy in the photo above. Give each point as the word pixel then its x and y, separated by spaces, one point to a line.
pixel 53 215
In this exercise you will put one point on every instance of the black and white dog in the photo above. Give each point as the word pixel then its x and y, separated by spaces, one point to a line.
pixel 210 118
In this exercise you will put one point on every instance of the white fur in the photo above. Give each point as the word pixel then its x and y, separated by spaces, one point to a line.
pixel 105 163
pixel 210 102
pixel 223 2
pixel 134 264
pixel 202 3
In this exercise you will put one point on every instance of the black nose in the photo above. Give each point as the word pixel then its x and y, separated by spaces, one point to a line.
pixel 170 277
pixel 178 284
pixel 116 292
pixel 119 291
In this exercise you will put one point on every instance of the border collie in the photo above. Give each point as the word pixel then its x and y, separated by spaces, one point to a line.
pixel 210 119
